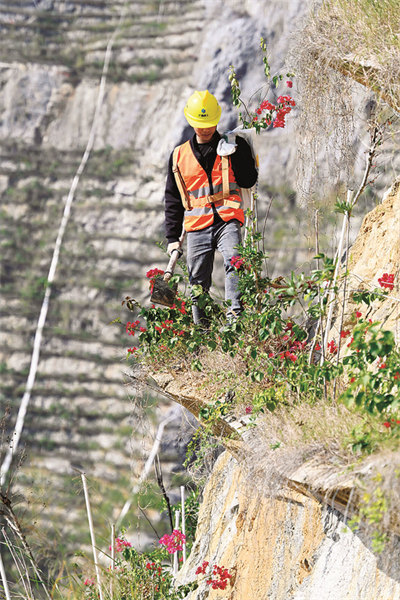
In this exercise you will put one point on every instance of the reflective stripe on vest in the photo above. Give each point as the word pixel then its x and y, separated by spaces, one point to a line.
pixel 193 185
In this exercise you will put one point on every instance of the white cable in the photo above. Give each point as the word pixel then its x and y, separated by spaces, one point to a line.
pixel 146 468
pixel 14 441
pixel 4 580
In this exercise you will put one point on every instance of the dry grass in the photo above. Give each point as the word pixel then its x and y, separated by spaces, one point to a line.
pixel 343 42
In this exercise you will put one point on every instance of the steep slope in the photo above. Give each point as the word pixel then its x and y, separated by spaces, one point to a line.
pixel 51 59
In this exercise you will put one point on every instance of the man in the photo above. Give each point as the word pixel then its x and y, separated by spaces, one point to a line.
pixel 202 193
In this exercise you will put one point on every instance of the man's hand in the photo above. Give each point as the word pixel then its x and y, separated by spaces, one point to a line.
pixel 173 246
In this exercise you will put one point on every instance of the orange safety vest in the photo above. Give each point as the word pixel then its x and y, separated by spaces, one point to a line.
pixel 193 186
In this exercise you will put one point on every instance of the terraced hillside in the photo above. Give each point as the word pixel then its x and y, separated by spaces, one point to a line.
pixel 75 34
pixel 82 415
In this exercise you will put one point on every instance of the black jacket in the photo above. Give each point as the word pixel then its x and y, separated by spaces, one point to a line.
pixel 243 168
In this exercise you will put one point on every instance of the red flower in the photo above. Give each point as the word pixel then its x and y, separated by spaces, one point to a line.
pixel 344 333
pixel 202 569
pixel 153 273
pixel 237 262
pixel 332 347
pixel 386 424
pixel 386 281
pixel 279 123
pixel 290 356
pixel 289 84
pixel 130 327
pixel 352 379
pixel 382 366
pixel 265 105
pixel 358 314
pixel 249 410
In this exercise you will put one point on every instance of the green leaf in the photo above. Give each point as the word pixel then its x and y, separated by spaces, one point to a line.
pixel 196 365
pixel 257 375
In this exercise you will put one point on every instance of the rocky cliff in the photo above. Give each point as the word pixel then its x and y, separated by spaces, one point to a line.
pixel 282 540
pixel 51 60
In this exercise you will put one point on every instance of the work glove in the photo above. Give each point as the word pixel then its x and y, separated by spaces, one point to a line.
pixel 226 145
pixel 174 246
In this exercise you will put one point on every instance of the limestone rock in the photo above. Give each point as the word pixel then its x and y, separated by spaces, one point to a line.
pixel 285 546
pixel 377 251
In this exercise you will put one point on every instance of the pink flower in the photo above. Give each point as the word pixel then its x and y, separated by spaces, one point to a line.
pixel 249 410
pixel 173 542
pixel 121 544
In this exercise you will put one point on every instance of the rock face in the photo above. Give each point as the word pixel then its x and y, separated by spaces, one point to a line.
pixel 287 546
pixel 376 251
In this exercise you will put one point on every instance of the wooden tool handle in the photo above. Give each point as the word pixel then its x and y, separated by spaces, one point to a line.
pixel 169 271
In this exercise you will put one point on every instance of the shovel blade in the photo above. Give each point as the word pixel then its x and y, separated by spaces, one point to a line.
pixel 162 293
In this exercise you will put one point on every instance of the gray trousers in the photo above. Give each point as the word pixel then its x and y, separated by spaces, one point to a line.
pixel 201 246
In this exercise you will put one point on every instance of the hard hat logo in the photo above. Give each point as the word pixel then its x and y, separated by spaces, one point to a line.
pixel 202 110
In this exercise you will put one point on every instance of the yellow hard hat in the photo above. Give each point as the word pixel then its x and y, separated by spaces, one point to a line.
pixel 202 110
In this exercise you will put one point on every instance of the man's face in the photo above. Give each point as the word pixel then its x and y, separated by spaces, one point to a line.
pixel 204 135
